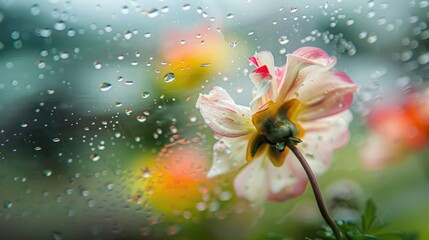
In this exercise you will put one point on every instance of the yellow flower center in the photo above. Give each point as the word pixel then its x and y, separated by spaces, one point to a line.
pixel 275 125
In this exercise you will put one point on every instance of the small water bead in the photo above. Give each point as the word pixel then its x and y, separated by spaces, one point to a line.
pixel 192 118
pixel 145 94
pixel 283 40
pixel 229 16
pixel 47 173
pixel 147 35
pixel 120 78
pixel 118 104
pixel 84 192
pixel 50 91
pixel 173 129
pixel 233 44
pixel 372 38
pixel 56 140
pixel 15 35
pixel 71 32
pixel 60 26
pixel 125 10
pixel 41 64
pixel 293 9
pixel 64 55
pixel 128 111
pixel 94 157
pixel 141 118
pixel 205 65
pixel 97 64
pixel 128 35
pixel 363 35
pixel 129 83
pixel 186 7
pixel 152 13
pixel 8 205
pixel 105 86
pixel 165 9
pixel 45 32
pixel 169 77
pixel 35 10
pixel 121 57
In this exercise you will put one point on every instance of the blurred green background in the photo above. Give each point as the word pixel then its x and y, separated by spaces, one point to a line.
pixel 100 138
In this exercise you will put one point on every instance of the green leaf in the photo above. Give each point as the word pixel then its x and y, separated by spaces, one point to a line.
pixel 369 216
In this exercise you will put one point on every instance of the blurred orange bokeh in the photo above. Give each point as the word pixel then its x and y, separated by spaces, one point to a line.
pixel 192 56
pixel 175 182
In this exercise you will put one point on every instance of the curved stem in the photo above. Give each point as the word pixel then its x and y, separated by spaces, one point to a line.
pixel 316 190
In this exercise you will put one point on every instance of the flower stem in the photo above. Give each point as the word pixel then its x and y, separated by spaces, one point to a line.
pixel 316 190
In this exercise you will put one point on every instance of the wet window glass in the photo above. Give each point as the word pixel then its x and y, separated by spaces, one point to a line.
pixel 180 119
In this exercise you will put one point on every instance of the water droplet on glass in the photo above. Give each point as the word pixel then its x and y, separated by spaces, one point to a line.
pixel 128 111
pixel 94 157
pixel 118 104
pixel 152 13
pixel 35 10
pixel 350 22
pixel 205 65
pixel 169 77
pixel 233 44
pixel 8 205
pixel 229 16
pixel 141 118
pixel 60 26
pixel 128 34
pixel 293 9
pixel 45 32
pixel 147 35
pixel 283 40
pixel 145 94
pixel 105 86
pixel 165 9
pixel 97 64
pixel 55 140
pixel 47 173
pixel 64 55
pixel 192 118
pixel 186 7
pixel 125 10
pixel 372 38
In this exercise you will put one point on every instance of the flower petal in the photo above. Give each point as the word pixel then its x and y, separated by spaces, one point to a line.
pixel 262 92
pixel 325 94
pixel 289 192
pixel 263 58
pixel 223 116
pixel 321 139
pixel 228 154
pixel 315 55
pixel 264 74
pixel 251 182
pixel 299 64
pixel 281 177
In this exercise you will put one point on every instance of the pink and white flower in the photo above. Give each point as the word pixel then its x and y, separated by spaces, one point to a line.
pixel 303 100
